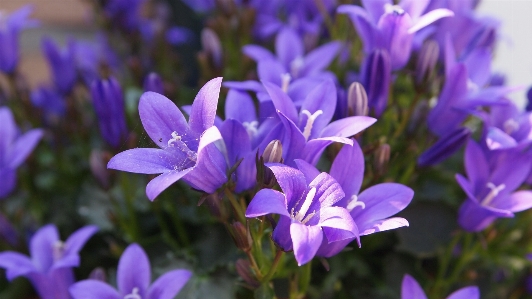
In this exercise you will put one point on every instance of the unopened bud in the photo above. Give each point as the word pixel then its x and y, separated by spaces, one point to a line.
pixel 428 57
pixel 98 274
pixel 357 100
pixel 376 76
pixel 241 236
pixel 273 152
pixel 444 147
pixel 529 98
pixel 153 82
pixel 243 268
pixel 382 157
pixel 98 165
pixel 212 46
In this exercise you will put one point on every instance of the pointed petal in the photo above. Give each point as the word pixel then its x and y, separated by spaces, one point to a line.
pixel 498 139
pixel 160 183
pixel 209 173
pixel 271 71
pixel 348 169
pixel 288 46
pixel 73 245
pixel 267 201
pixel 306 241
pixel 133 271
pixel 478 64
pixel 244 85
pixel 410 289
pixel 281 101
pixel 281 233
pixel 8 131
pixel 22 147
pixel 395 37
pixel 239 105
pixel 339 221
pixel 168 285
pixel 236 140
pixel 328 191
pixel 476 166
pixel 414 7
pixel 363 24
pixel 321 98
pixel 473 217
pixel 204 106
pixel 429 18
pixel 293 140
pixel 257 53
pixel 160 118
pixel 375 8
pixel 144 160
pixel 348 126
pixel 314 148
pixel 516 202
pixel 8 181
pixel 319 58
pixel 381 201
pixel 291 181
pixel 383 225
pixel 310 172
pixel 466 186
pixel 41 247
pixel 466 293
pixel 16 264
pixel 93 289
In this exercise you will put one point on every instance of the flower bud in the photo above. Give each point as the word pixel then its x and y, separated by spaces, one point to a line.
pixel 357 100
pixel 376 76
pixel 243 268
pixel 98 274
pixel 98 165
pixel 273 152
pixel 428 57
pixel 529 98
pixel 241 236
pixel 153 82
pixel 444 147
pixel 212 46
pixel 382 157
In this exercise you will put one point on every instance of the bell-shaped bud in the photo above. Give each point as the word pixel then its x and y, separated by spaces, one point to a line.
pixel 153 82
pixel 243 268
pixel 357 100
pixel 444 147
pixel 273 152
pixel 212 46
pixel 241 236
pixel 376 77
pixel 108 102
pixel 98 274
pixel 98 165
pixel 426 62
pixel 381 159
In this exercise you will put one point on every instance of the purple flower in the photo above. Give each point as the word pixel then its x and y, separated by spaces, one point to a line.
pixel 507 127
pixel 14 149
pixel 187 150
pixel 108 103
pixel 306 211
pixel 125 13
pixel 444 147
pixel 410 289
pixel 133 280
pixel 153 82
pixel 372 208
pixel 10 27
pixel 62 64
pixel 50 101
pixel 50 267
pixel 382 25
pixel 490 184
pixel 376 76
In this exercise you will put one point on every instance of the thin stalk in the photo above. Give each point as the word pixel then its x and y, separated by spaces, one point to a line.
pixel 273 268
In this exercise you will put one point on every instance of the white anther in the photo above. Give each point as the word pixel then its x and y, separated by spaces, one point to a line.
pixel 134 294
pixel 58 249
pixel 310 121
pixel 493 193
pixel 285 81
pixel 305 206
pixel 510 126
pixel 177 142
pixel 295 66
pixel 353 203
pixel 251 127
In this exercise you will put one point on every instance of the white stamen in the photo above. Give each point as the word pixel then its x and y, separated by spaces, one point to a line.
pixel 353 203
pixel 310 121
pixel 58 249
pixel 396 9
pixel 285 81
pixel 510 126
pixel 493 193
pixel 305 206
pixel 134 294
pixel 176 141
pixel 295 66
pixel 251 127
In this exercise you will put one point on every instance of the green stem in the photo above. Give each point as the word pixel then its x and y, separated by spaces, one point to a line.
pixel 236 206
pixel 273 268
pixel 406 118
pixel 304 280
pixel 444 264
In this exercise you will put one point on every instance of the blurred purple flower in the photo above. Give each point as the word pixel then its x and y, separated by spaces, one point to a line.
pixel 133 280
pixel 188 150
pixel 49 100
pixel 444 147
pixel 108 103
pixel 306 211
pixel 50 267
pixel 410 289
pixel 376 76
pixel 14 149
pixel 153 82
pixel 490 184
pixel 62 63
pixel 10 27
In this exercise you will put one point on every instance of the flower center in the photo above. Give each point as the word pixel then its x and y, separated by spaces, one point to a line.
pixel 285 81
pixel 58 250
pixel 510 126
pixel 176 141
pixel 394 9
pixel 310 121
pixel 251 127
pixel 493 193
pixel 134 294
pixel 353 203
pixel 304 208
pixel 295 66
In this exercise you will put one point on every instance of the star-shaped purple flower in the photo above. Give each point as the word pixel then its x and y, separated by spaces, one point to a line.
pixel 14 149
pixel 306 210
pixel 133 280
pixel 410 289
pixel 187 151
pixel 50 267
